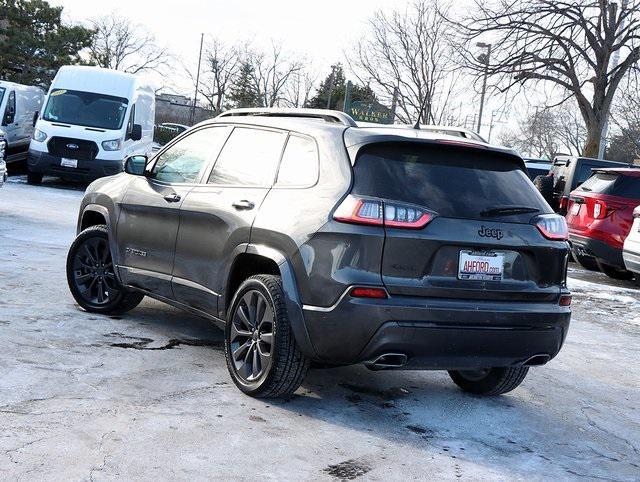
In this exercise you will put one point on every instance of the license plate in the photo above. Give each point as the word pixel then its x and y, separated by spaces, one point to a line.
pixel 64 162
pixel 575 209
pixel 484 266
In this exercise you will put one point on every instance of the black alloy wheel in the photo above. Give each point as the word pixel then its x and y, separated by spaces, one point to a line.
pixel 91 275
pixel 93 272
pixel 251 337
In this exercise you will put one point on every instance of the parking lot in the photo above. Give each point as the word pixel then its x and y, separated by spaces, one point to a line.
pixel 147 395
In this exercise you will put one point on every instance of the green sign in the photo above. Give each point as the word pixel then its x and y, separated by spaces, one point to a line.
pixel 370 112
pixel 367 111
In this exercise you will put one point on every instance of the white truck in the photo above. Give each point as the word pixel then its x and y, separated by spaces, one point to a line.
pixel 19 108
pixel 92 121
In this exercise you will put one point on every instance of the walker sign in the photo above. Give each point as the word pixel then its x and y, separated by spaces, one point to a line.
pixel 370 112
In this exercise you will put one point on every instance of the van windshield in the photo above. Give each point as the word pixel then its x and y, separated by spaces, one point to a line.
pixel 86 109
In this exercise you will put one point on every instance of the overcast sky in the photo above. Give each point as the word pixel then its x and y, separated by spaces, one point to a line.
pixel 321 31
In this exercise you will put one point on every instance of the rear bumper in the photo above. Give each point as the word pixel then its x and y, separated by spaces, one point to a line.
pixel 45 163
pixel 597 249
pixel 437 333
pixel 631 260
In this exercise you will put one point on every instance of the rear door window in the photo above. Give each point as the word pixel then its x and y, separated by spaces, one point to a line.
pixel 249 158
pixel 453 182
pixel 613 184
pixel 299 165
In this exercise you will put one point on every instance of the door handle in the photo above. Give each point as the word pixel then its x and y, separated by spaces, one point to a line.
pixel 243 204
pixel 172 198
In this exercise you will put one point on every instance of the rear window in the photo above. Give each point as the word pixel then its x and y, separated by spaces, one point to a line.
pixel 613 184
pixel 453 182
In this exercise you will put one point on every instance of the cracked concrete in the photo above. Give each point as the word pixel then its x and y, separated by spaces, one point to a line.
pixel 146 395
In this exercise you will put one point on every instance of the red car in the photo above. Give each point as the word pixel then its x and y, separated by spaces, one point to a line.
pixel 600 215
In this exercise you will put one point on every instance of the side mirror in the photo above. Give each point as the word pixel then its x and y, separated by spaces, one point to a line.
pixel 135 165
pixel 136 132
pixel 9 117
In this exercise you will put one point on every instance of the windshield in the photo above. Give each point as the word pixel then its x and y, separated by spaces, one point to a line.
pixel 613 184
pixel 452 182
pixel 85 109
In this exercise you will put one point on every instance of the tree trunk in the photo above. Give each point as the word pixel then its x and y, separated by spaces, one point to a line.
pixel 592 144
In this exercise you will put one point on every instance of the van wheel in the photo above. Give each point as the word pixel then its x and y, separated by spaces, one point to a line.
pixel 489 381
pixel 91 276
pixel 615 273
pixel 261 351
pixel 34 178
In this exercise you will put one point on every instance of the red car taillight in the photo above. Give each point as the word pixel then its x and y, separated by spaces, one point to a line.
pixel 376 212
pixel 552 226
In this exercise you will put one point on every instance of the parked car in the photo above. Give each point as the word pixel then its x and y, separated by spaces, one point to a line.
pixel 567 173
pixel 19 107
pixel 311 241
pixel 600 217
pixel 93 119
pixel 170 126
pixel 3 164
pixel 537 167
pixel 631 248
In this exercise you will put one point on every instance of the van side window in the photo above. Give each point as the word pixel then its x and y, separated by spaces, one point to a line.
pixel 185 160
pixel 132 119
pixel 249 158
pixel 299 165
pixel 10 110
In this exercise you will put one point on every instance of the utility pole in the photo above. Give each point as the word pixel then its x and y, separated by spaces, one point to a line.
pixel 485 59
pixel 615 60
pixel 195 95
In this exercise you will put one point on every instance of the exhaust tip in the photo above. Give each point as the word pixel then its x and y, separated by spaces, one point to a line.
pixel 388 361
pixel 537 360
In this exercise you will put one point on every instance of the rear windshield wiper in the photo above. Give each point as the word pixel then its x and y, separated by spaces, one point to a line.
pixel 507 211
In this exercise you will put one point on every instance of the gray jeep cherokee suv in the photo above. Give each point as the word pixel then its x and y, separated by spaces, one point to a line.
pixel 310 239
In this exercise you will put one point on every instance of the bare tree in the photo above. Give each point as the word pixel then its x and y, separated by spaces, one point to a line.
pixel 584 47
pixel 121 45
pixel 547 132
pixel 298 91
pixel 408 55
pixel 272 72
pixel 221 64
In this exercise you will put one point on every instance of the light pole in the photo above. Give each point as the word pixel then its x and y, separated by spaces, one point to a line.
pixel 195 95
pixel 485 59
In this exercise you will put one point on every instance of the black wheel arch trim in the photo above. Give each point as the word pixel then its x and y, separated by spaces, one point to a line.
pixel 290 287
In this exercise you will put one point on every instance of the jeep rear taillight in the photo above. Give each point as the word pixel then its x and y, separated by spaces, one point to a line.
pixel 377 212
pixel 552 226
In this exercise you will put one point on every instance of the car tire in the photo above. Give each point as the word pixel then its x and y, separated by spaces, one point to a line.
pixel 615 273
pixel 491 381
pixel 257 316
pixel 34 178
pixel 586 262
pixel 91 276
pixel 544 184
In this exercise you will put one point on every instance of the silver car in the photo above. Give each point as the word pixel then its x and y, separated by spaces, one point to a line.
pixel 631 251
pixel 3 164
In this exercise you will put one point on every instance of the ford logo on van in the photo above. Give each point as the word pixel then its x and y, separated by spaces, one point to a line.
pixel 73 146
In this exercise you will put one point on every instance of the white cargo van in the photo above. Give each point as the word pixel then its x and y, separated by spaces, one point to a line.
pixel 92 120
pixel 19 108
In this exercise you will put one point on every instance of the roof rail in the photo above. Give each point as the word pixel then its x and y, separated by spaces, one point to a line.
pixel 333 116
